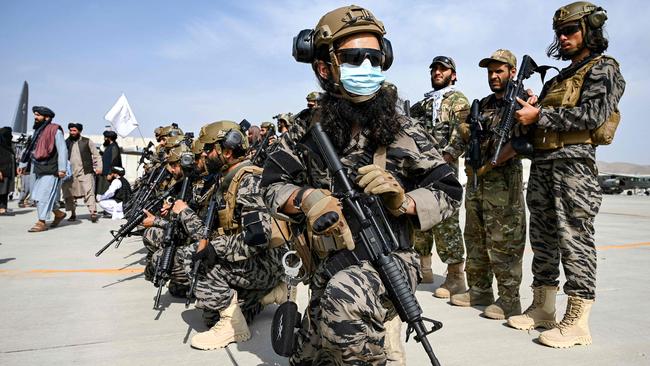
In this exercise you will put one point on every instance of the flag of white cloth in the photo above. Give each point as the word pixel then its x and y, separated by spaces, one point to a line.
pixel 121 117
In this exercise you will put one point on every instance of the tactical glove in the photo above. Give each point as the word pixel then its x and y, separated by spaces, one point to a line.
pixel 324 216
pixel 208 256
pixel 377 181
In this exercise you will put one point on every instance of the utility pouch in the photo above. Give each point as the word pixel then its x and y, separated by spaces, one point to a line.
pixel 283 329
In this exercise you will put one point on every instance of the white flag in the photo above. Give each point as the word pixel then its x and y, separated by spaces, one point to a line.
pixel 121 117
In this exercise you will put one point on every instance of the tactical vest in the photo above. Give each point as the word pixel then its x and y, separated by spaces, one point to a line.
pixel 566 93
pixel 84 150
pixel 228 218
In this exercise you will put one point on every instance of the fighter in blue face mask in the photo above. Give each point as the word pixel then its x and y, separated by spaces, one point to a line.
pixel 364 79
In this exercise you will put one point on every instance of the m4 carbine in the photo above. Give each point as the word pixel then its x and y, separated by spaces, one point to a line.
pixel 473 158
pixel 170 241
pixel 375 240
pixel 126 228
pixel 208 226
pixel 514 89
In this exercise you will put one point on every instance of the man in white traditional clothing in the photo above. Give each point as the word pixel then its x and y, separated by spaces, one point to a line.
pixel 118 191
pixel 48 157
pixel 85 162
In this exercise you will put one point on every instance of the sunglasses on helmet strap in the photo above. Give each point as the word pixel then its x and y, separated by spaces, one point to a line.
pixel 356 56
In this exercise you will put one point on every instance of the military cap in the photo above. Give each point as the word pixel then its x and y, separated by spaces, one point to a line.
pixel 500 55
pixel 43 111
pixel 445 61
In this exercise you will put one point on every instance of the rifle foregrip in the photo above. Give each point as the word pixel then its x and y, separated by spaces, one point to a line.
pixel 398 288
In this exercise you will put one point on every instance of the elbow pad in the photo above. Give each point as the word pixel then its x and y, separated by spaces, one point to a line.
pixel 442 178
pixel 254 233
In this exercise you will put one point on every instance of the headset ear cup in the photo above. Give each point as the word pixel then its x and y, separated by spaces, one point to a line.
pixel 233 140
pixel 387 49
pixel 303 46
pixel 597 18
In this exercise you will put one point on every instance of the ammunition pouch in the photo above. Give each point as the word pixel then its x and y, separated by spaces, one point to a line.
pixel 254 234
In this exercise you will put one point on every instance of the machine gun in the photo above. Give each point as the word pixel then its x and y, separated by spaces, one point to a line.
pixel 375 240
pixel 473 157
pixel 170 241
pixel 126 228
pixel 514 89
pixel 208 225
pixel 146 153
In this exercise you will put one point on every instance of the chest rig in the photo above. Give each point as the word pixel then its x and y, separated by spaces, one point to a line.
pixel 566 92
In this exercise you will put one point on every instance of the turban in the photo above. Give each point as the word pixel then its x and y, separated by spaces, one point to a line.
pixel 78 126
pixel 43 111
pixel 110 134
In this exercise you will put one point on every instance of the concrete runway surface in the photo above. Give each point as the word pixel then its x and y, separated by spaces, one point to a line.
pixel 61 305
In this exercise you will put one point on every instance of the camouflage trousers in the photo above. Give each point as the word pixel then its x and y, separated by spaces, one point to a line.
pixel 495 231
pixel 448 240
pixel 252 278
pixel 344 321
pixel 153 240
pixel 563 198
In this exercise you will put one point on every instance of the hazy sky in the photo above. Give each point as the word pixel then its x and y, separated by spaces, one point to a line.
pixel 201 61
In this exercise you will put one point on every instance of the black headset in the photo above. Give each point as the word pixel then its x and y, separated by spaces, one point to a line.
pixel 597 18
pixel 303 49
pixel 233 140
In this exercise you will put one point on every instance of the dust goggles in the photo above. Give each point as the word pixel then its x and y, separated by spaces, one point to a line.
pixel 356 56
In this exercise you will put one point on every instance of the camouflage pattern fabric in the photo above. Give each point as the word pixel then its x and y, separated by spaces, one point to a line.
pixel 153 238
pixel 454 109
pixel 495 218
pixel 602 89
pixel 252 271
pixel 563 192
pixel 344 322
pixel 344 329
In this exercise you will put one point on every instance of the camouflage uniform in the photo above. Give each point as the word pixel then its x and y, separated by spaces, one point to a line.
pixel 563 191
pixel 251 271
pixel 344 322
pixel 495 218
pixel 454 109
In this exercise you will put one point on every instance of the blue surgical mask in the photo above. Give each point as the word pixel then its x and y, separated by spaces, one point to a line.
pixel 363 79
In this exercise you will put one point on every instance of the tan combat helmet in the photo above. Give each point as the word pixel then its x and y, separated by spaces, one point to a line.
pixel 313 96
pixel 226 133
pixel 343 22
pixel 595 16
pixel 157 132
pixel 287 118
pixel 197 147
pixel 182 154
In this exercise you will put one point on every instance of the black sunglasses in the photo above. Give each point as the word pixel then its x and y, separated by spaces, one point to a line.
pixel 356 56
pixel 208 147
pixel 567 30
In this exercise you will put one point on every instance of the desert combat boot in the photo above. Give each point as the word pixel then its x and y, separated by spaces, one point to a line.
pixel 541 313
pixel 473 297
pixel 230 328
pixel 503 309
pixel 425 268
pixel 574 327
pixel 454 283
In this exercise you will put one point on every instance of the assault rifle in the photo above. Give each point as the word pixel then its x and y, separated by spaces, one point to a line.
pixel 514 89
pixel 146 191
pixel 208 225
pixel 261 154
pixel 126 228
pixel 170 241
pixel 473 157
pixel 146 153
pixel 375 240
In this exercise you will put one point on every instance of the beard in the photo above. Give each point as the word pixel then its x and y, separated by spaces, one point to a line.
pixel 37 124
pixel 107 142
pixel 74 137
pixel 441 84
pixel 378 116
pixel 213 166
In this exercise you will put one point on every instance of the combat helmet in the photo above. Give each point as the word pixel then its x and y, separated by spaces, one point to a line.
pixel 224 134
pixel 287 118
pixel 182 154
pixel 197 147
pixel 593 15
pixel 313 96
pixel 334 26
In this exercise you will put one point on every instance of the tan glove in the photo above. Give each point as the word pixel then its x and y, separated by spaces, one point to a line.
pixel 375 180
pixel 325 217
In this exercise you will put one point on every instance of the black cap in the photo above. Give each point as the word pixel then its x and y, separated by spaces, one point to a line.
pixel 43 111
pixel 445 61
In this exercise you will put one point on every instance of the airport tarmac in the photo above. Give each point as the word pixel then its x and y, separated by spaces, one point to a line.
pixel 62 305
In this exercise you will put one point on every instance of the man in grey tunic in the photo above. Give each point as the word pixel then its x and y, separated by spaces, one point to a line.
pixel 85 161
pixel 47 155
